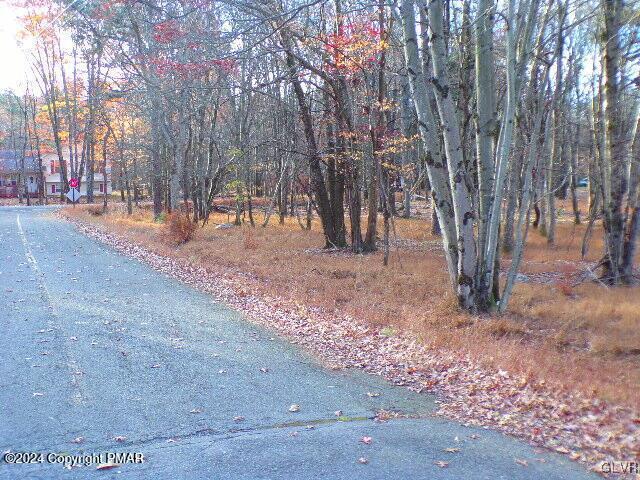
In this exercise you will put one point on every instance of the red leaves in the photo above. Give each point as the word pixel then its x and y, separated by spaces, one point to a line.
pixel 226 65
pixel 175 34
pixel 167 31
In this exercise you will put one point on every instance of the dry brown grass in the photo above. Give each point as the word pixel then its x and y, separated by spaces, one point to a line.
pixel 581 337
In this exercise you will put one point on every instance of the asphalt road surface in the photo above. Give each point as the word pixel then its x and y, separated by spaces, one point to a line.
pixel 100 349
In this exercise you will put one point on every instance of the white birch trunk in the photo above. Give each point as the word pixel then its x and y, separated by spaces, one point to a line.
pixel 436 169
pixel 462 202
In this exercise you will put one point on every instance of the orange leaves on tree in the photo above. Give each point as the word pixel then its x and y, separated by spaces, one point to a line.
pixel 355 46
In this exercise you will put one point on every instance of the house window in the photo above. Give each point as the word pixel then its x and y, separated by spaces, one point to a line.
pixel 102 188
pixel 53 188
pixel 53 166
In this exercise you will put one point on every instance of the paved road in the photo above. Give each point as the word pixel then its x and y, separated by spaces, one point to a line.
pixel 99 346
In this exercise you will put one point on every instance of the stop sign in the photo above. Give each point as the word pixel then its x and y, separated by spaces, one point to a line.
pixel 73 182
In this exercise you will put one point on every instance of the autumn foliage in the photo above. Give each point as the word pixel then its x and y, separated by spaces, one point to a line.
pixel 355 47
pixel 179 228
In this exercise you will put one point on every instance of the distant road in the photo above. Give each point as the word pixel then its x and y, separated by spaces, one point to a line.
pixel 102 354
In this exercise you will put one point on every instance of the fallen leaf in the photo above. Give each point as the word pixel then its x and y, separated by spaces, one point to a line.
pixel 366 440
pixel 441 464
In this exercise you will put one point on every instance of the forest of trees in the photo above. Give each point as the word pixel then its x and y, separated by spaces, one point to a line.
pixel 348 110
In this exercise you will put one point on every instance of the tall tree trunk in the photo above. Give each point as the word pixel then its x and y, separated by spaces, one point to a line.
pixel 317 179
pixel 435 163
pixel 633 203
pixel 157 184
pixel 615 179
pixel 377 128
pixel 573 177
pixel 486 114
pixel 462 201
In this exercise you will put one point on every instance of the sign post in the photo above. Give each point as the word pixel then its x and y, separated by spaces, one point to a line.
pixel 74 195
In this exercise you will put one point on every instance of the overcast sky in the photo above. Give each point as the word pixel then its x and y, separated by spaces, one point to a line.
pixel 13 62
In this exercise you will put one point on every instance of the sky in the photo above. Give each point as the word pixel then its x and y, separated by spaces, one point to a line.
pixel 12 58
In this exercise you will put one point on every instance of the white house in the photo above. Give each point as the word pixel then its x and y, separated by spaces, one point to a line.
pixel 53 178
pixel 53 184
